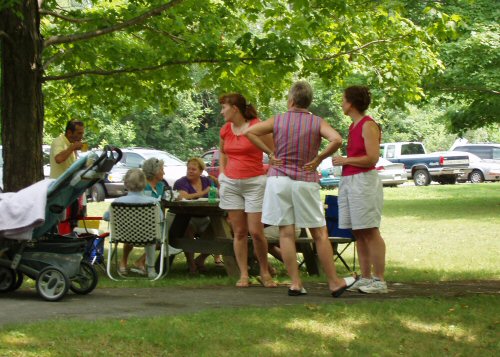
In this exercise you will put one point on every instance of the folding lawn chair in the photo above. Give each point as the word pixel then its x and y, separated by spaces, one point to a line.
pixel 336 235
pixel 138 224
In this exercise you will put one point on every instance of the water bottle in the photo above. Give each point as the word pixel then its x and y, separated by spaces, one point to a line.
pixel 212 194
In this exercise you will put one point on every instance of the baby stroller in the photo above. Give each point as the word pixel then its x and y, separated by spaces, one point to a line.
pixel 29 243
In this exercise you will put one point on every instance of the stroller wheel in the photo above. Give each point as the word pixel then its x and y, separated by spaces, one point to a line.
pixel 7 279
pixel 86 279
pixel 52 283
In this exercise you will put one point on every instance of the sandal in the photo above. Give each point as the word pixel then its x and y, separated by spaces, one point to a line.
pixel 139 270
pixel 267 283
pixel 243 283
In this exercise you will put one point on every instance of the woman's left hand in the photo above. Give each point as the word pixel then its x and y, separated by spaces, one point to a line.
pixel 312 165
pixel 339 161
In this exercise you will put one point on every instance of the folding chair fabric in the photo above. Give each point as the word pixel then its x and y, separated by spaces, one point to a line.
pixel 336 235
pixel 138 224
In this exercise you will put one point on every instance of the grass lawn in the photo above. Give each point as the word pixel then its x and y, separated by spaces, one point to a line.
pixel 432 233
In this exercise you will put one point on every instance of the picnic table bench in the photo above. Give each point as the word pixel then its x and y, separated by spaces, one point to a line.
pixel 218 239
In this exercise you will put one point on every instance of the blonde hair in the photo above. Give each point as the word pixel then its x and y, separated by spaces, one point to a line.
pixel 199 161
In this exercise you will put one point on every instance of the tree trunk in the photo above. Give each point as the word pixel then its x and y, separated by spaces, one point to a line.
pixel 21 95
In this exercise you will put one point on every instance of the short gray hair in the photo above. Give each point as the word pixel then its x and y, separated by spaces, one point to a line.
pixel 151 167
pixel 301 94
pixel 135 180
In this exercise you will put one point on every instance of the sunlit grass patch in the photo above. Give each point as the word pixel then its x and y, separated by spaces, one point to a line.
pixel 415 327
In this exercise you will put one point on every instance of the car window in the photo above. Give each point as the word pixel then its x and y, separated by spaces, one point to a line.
pixel 484 152
pixel 411 149
pixel 133 160
pixel 496 154
pixel 390 151
pixel 207 158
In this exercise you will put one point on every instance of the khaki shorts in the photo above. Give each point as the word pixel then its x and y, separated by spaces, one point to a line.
pixel 287 201
pixel 361 198
pixel 273 232
pixel 242 194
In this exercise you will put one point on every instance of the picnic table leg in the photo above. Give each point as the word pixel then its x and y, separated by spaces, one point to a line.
pixel 310 257
pixel 221 229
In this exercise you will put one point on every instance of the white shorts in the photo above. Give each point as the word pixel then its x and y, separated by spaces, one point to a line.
pixel 287 201
pixel 361 198
pixel 242 194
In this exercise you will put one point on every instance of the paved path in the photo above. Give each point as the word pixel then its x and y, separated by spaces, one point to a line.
pixel 25 305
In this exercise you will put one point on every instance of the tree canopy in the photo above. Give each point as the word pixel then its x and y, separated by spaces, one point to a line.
pixel 137 59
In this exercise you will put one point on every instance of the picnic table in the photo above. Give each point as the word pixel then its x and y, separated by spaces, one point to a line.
pixel 218 239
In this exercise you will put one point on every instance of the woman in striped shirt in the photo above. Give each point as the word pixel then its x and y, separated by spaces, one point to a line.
pixel 292 196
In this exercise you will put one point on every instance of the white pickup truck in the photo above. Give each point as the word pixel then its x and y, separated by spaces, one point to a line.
pixel 443 167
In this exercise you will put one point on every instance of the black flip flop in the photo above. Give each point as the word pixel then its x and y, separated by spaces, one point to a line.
pixel 349 281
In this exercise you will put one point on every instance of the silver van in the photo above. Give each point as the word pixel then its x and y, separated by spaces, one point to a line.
pixel 484 151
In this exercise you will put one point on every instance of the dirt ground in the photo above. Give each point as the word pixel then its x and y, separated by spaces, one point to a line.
pixel 24 305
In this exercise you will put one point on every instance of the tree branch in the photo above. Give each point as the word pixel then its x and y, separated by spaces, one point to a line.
pixel 467 89
pixel 168 34
pixel 54 40
pixel 199 61
pixel 64 17
pixel 157 67
pixel 327 58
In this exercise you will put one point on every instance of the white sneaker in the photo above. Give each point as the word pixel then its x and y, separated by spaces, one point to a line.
pixel 152 273
pixel 375 287
pixel 173 251
pixel 359 283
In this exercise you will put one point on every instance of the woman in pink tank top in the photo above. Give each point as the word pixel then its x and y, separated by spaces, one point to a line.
pixel 360 191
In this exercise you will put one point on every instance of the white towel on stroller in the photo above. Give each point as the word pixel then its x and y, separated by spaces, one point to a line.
pixel 22 211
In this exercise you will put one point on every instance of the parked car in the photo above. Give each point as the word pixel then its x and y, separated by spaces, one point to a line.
pixel 391 174
pixel 482 170
pixel 212 157
pixel 443 167
pixel 113 186
pixel 484 151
